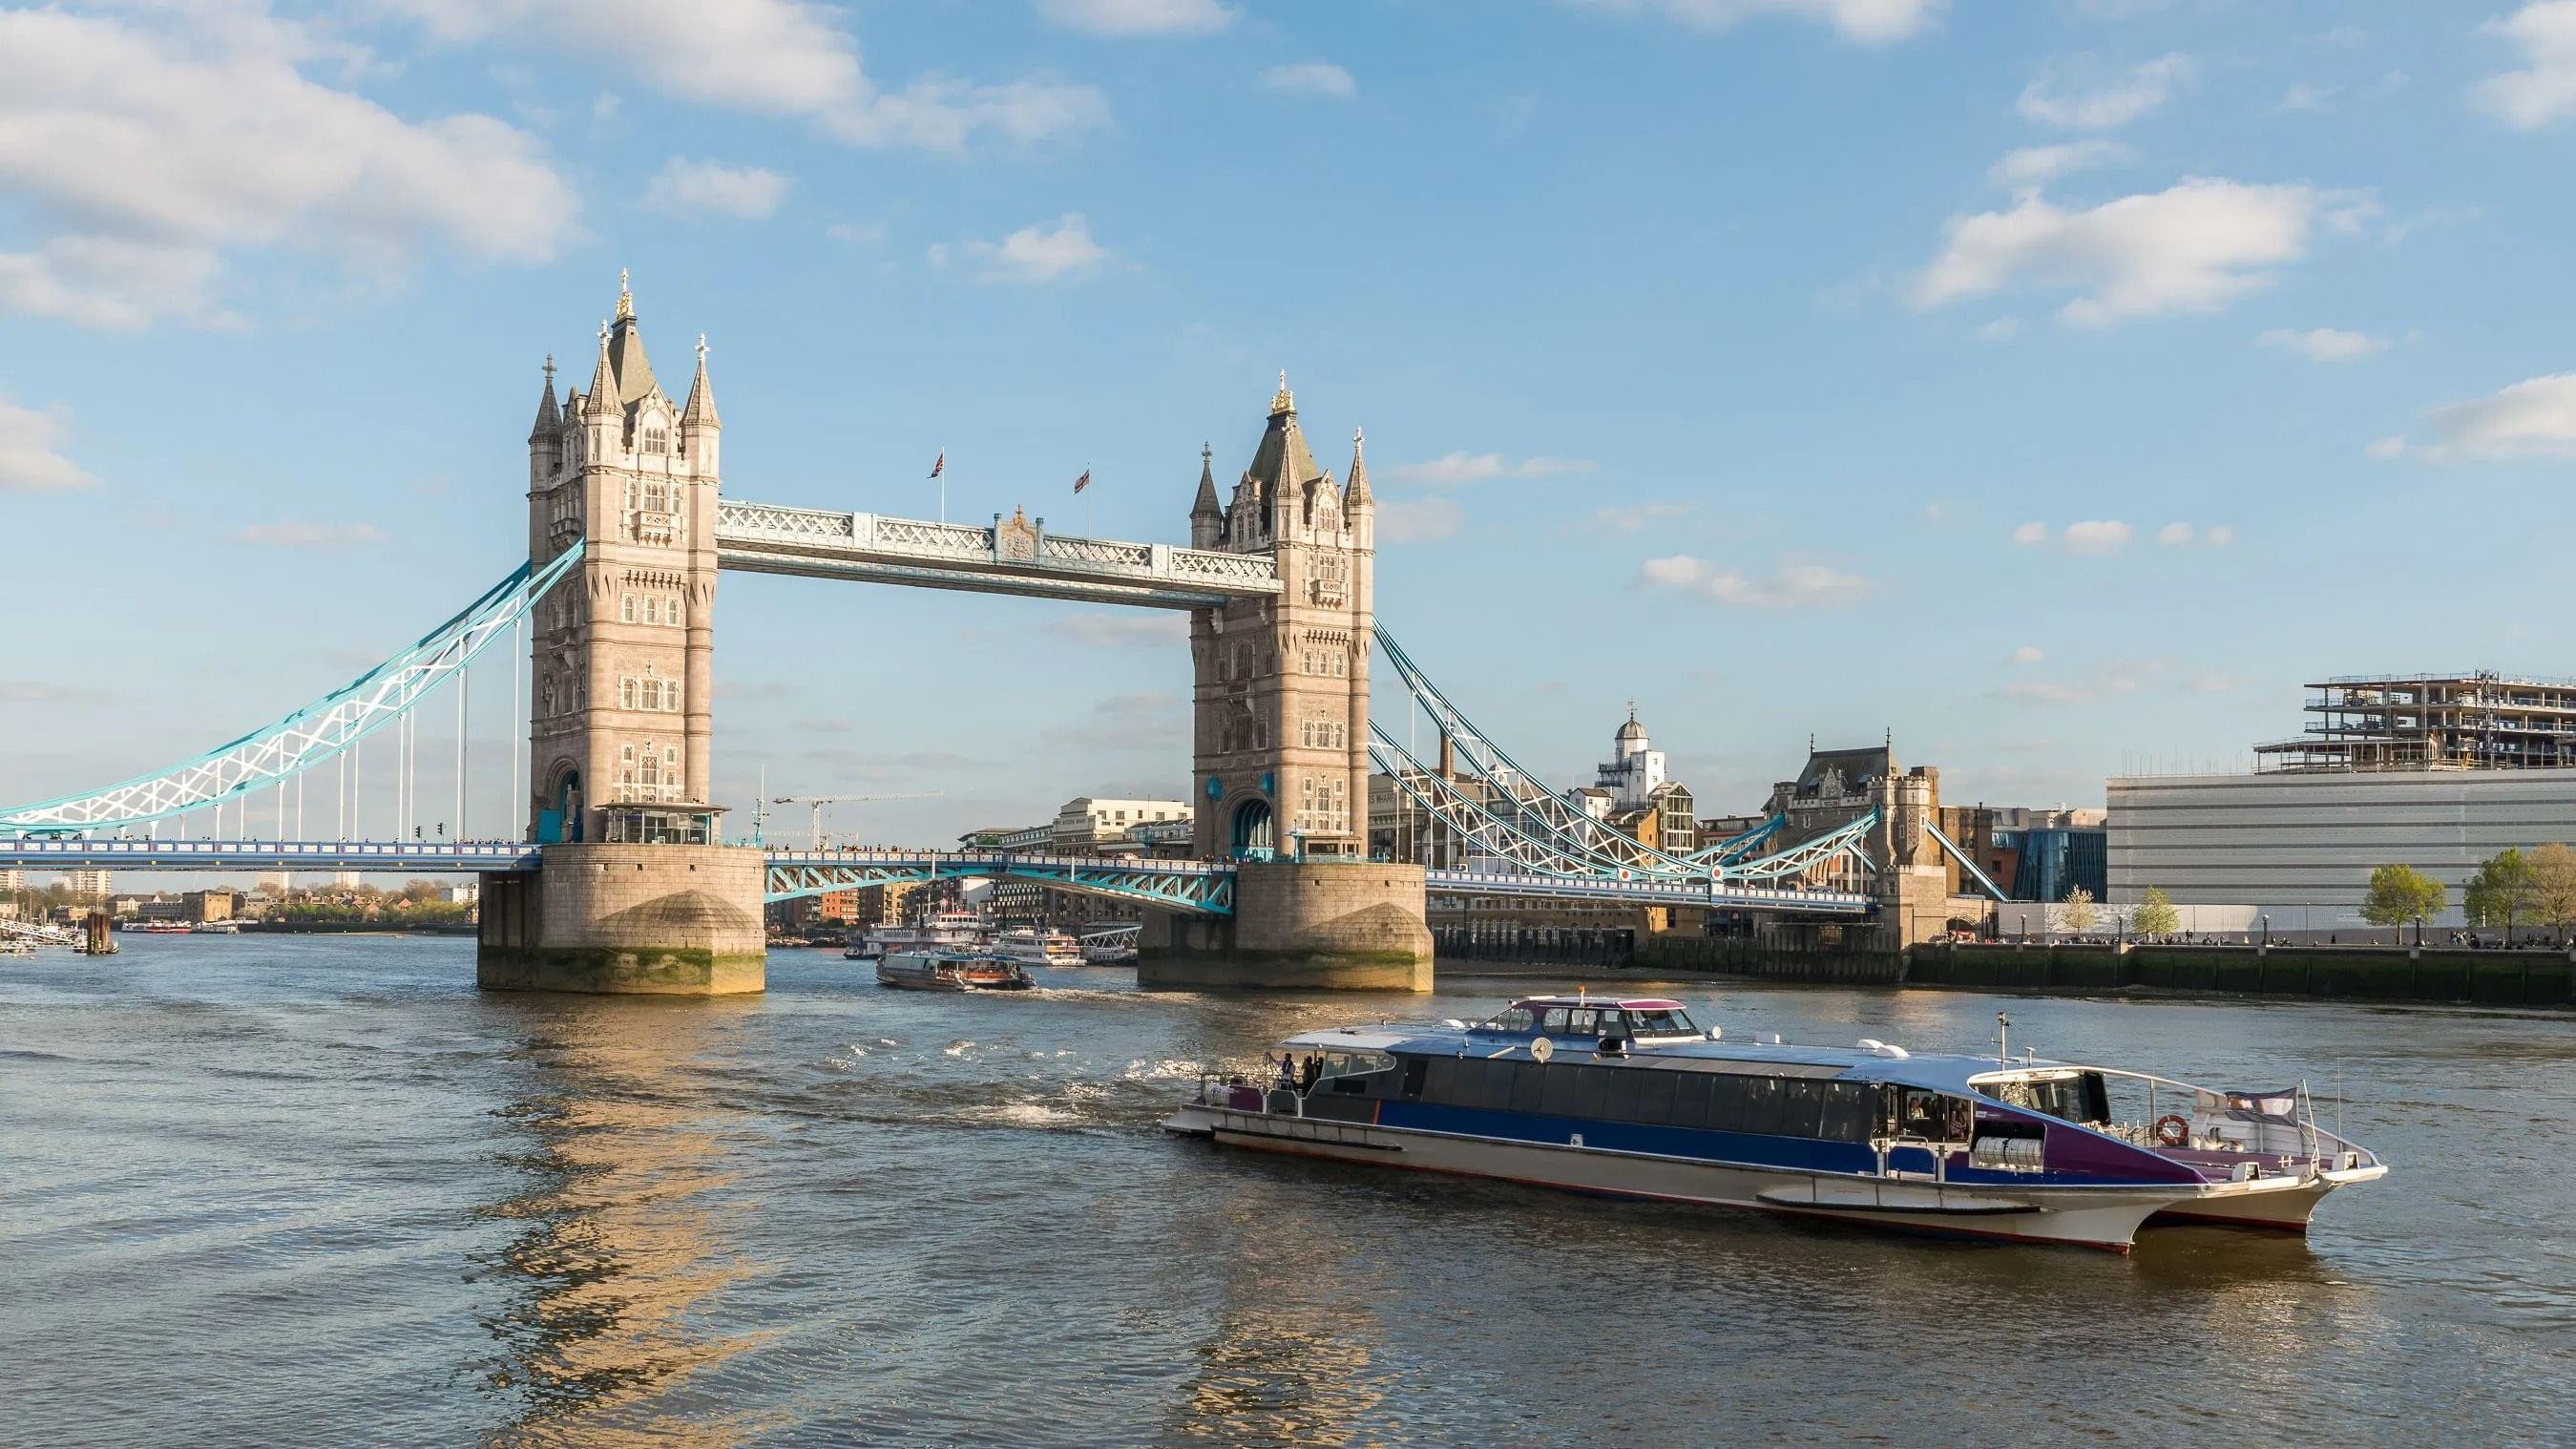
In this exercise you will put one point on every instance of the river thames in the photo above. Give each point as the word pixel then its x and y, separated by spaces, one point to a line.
pixel 319 1190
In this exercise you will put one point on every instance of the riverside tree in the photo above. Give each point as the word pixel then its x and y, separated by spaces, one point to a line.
pixel 2500 893
pixel 2400 894
pixel 2077 912
pixel 2156 915
pixel 2553 888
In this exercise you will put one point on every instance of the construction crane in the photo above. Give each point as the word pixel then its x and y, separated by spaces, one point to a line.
pixel 819 801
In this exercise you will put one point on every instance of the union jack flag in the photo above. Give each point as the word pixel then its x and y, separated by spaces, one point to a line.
pixel 941 463
pixel 1082 482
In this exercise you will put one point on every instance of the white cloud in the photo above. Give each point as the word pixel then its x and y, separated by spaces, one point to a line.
pixel 2218 535
pixel 699 188
pixel 2323 344
pixel 1638 517
pixel 2102 104
pixel 2106 535
pixel 2002 329
pixel 2030 535
pixel 2177 535
pixel 768 57
pixel 2027 654
pixel 2033 166
pixel 1420 520
pixel 1139 17
pixel 2191 248
pixel 1312 78
pixel 1790 586
pixel 1869 22
pixel 2534 418
pixel 2544 91
pixel 1451 469
pixel 152 145
pixel 1032 256
pixel 30 439
pixel 294 533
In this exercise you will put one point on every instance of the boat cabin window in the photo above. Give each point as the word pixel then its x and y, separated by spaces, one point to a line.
pixel 1516 1019
pixel 1660 1021
pixel 2070 1097
pixel 1917 1112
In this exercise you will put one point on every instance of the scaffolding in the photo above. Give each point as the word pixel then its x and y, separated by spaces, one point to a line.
pixel 2481 721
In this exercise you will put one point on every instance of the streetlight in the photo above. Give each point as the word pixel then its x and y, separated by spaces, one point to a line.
pixel 2267 933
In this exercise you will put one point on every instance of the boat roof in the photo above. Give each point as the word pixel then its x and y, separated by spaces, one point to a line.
pixel 1639 1003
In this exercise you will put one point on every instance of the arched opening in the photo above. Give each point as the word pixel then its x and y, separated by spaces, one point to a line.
pixel 1253 839
pixel 561 821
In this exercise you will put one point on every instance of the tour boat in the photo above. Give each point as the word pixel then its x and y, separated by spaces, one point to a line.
pixel 949 971
pixel 1040 948
pixel 1113 946
pixel 943 931
pixel 1629 1098
pixel 215 928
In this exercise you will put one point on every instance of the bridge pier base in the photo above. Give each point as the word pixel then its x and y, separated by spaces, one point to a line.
pixel 1298 926
pixel 661 920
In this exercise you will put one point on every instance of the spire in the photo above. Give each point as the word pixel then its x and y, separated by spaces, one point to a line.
pixel 1358 492
pixel 625 298
pixel 601 400
pixel 626 351
pixel 701 411
pixel 1283 401
pixel 1206 506
pixel 549 417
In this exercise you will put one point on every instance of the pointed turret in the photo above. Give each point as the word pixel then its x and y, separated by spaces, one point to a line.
pixel 1358 492
pixel 633 371
pixel 601 400
pixel 549 417
pixel 1207 516
pixel 1282 465
pixel 701 410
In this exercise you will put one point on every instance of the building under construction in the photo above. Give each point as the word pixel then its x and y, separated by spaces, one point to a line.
pixel 2483 721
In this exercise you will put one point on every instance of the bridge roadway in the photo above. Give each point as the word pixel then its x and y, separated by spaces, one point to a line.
pixel 1186 886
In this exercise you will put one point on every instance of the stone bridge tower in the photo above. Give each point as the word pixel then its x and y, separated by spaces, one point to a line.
pixel 635 892
pixel 1279 760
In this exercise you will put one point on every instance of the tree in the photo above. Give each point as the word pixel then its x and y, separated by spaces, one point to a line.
pixel 2077 912
pixel 2156 915
pixel 2401 893
pixel 2500 893
pixel 2553 886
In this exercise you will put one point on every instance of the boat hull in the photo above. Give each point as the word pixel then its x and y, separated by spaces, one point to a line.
pixel 2105 1218
pixel 2269 1204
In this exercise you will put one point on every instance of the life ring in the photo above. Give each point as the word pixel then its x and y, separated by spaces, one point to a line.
pixel 2172 1130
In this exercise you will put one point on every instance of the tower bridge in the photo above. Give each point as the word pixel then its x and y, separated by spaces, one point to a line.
pixel 622 879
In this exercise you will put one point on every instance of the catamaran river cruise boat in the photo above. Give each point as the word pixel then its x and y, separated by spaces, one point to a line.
pixel 950 971
pixel 1630 1098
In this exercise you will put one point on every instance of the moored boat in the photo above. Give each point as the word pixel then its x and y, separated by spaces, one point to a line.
pixel 1032 947
pixel 949 971
pixel 943 931
pixel 1630 1098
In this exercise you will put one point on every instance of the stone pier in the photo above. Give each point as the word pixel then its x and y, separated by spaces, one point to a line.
pixel 1299 926
pixel 668 920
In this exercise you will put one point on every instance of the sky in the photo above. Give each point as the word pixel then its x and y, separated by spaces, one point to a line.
pixel 2054 385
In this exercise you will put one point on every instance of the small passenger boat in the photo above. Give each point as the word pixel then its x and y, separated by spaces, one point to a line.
pixel 1040 948
pixel 1630 1098
pixel 949 971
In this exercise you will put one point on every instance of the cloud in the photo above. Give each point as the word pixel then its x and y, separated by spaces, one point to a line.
pixel 2194 247
pixel 1138 17
pixel 152 145
pixel 768 57
pixel 2534 418
pixel 703 188
pixel 2544 91
pixel 1452 469
pixel 294 533
pixel 2027 654
pixel 2323 344
pixel 2034 166
pixel 1790 586
pixel 1150 628
pixel 2096 536
pixel 1312 78
pixel 30 440
pixel 2002 329
pixel 1867 22
pixel 2183 535
pixel 38 691
pixel 2030 535
pixel 1419 520
pixel 2102 104
pixel 1032 256
pixel 1638 517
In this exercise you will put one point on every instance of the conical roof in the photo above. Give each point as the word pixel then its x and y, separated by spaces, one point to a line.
pixel 1206 506
pixel 549 417
pixel 626 351
pixel 701 411
pixel 1358 491
pixel 1283 462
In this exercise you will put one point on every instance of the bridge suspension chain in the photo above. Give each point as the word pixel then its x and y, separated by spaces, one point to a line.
pixel 319 731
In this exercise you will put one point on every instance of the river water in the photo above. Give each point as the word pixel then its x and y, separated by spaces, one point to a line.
pixel 319 1190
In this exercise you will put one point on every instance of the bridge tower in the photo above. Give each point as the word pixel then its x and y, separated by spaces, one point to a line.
pixel 1279 759
pixel 634 892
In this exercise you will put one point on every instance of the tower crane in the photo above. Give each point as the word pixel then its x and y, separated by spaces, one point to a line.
pixel 819 801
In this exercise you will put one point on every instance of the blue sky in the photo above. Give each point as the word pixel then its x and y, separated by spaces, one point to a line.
pixel 2057 385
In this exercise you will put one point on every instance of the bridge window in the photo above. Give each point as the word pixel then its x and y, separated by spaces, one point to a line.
pixel 656 439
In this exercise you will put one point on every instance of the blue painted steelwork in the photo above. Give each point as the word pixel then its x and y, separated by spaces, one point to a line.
pixel 1500 836
pixel 1735 847
pixel 317 732
pixel 1970 866
pixel 1187 887
pixel 1726 895
pixel 58 852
